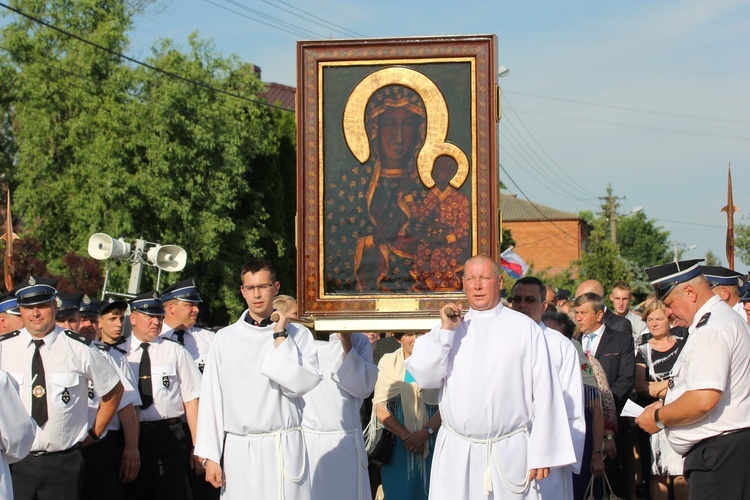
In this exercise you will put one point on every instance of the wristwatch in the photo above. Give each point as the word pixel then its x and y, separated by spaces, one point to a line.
pixel 429 430
pixel 203 462
pixel 282 333
pixel 658 422
pixel 93 436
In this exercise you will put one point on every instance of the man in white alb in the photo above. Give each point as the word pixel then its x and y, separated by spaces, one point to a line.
pixel 496 378
pixel 251 398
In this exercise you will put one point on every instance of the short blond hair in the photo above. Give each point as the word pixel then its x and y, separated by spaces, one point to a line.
pixel 284 302
pixel 655 305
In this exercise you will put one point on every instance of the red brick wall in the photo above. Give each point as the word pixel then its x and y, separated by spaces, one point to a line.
pixel 549 246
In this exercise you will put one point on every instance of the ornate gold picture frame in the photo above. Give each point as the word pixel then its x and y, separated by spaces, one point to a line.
pixel 397 176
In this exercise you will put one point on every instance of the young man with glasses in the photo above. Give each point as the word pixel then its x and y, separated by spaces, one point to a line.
pixel 251 398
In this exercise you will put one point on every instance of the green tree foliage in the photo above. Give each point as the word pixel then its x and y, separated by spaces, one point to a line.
pixel 640 244
pixel 107 147
pixel 742 240
pixel 641 241
pixel 712 259
pixel 602 260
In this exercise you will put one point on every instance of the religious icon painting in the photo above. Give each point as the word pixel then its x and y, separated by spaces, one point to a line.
pixel 397 176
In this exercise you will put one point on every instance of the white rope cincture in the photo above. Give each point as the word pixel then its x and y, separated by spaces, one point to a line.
pixel 280 455
pixel 490 456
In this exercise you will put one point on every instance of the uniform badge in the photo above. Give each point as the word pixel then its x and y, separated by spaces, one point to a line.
pixel 86 300
pixel 32 281
pixel 671 383
pixel 91 392
pixel 38 391
pixel 704 320
pixel 65 396
pixel 165 381
pixel 201 366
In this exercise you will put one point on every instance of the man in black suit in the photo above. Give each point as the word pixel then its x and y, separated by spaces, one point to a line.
pixel 614 351
pixel 612 320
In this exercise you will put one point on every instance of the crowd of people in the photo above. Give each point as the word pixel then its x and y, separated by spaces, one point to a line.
pixel 520 396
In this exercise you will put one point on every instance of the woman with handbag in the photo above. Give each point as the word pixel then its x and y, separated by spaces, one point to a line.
pixel 411 414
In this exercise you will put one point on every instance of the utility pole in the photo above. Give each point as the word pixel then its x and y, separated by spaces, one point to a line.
pixel 611 210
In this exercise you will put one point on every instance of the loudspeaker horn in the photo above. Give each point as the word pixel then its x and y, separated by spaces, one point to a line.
pixel 169 258
pixel 103 247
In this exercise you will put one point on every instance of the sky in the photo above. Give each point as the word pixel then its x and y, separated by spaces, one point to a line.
pixel 650 98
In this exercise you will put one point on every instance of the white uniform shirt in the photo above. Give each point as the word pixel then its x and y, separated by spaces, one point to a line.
pixel 17 431
pixel 739 307
pixel 333 429
pixel 496 379
pixel 197 342
pixel 251 409
pixel 175 379
pixel 715 356
pixel 69 363
pixel 129 383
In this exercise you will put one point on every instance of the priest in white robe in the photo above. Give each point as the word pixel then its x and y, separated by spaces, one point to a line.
pixel 251 398
pixel 331 420
pixel 504 419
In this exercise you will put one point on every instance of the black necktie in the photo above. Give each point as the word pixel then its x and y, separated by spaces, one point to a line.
pixel 144 378
pixel 38 386
pixel 180 336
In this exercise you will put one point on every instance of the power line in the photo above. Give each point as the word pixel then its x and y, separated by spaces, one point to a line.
pixel 625 125
pixel 564 175
pixel 547 219
pixel 283 25
pixel 328 25
pixel 691 223
pixel 636 110
pixel 136 61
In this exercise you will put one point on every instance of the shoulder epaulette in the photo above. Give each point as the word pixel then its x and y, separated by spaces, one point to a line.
pixel 704 320
pixel 123 351
pixel 10 335
pixel 171 340
pixel 102 347
pixel 75 336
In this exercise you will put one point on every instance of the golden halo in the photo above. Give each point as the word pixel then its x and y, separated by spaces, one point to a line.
pixel 437 122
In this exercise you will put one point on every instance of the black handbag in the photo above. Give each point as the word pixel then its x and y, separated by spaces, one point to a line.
pixel 381 453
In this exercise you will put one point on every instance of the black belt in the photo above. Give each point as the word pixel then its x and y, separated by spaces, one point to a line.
pixel 713 438
pixel 155 424
pixel 61 452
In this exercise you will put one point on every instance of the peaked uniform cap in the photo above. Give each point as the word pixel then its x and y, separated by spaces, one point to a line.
pixel 89 307
pixel 667 276
pixel 9 304
pixel 109 303
pixel 36 290
pixel 68 303
pixel 148 303
pixel 718 275
pixel 186 291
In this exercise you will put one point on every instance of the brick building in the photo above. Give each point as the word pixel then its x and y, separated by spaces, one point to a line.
pixel 548 238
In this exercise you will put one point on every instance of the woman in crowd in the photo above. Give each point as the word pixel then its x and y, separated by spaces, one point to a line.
pixel 653 369
pixel 412 415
